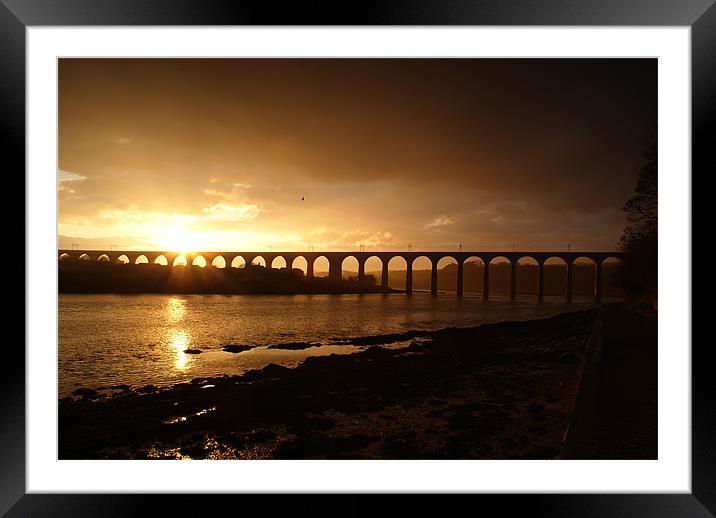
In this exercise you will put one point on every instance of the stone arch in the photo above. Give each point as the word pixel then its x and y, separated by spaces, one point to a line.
pixel 64 257
pixel 527 275
pixel 396 260
pixel 179 260
pixel 258 261
pixel 300 263
pixel 373 268
pixel 347 270
pixel 425 280
pixel 199 261
pixel 474 274
pixel 321 266
pixel 397 276
pixel 583 259
pixel 610 259
pixel 373 264
pixel 500 279
pixel 122 259
pixel 449 258
pixel 279 262
pixel 499 259
pixel 238 262
pixel 85 257
pixel 421 262
pixel 530 257
pixel 557 276
pixel 104 258
pixel 141 259
pixel 585 271
pixel 161 259
pixel 447 275
pixel 218 262
pixel 609 267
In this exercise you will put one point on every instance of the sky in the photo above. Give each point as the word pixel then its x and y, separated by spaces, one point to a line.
pixel 335 154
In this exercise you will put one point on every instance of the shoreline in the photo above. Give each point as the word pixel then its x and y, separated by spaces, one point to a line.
pixel 504 390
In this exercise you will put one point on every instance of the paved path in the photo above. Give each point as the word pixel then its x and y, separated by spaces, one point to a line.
pixel 616 409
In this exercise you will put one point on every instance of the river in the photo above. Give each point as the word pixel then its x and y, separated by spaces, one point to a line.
pixel 138 340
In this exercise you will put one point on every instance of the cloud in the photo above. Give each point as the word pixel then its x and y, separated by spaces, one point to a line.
pixel 440 221
pixel 377 239
pixel 235 192
pixel 216 192
pixel 65 179
pixel 236 206
pixel 229 212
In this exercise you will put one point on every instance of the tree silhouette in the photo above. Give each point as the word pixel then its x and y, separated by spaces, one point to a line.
pixel 640 240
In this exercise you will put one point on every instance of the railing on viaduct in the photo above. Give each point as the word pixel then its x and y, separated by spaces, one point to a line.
pixel 335 261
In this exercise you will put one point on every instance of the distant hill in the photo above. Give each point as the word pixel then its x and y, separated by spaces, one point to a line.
pixel 555 279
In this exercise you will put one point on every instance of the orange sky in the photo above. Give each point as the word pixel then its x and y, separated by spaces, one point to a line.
pixel 217 154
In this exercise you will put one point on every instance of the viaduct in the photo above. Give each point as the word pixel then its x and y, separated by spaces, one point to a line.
pixel 335 261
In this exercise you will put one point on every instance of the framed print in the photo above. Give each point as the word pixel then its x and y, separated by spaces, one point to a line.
pixel 415 251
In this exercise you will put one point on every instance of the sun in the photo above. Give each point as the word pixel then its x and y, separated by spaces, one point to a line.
pixel 178 240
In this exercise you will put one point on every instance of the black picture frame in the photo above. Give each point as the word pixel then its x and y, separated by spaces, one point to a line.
pixel 700 15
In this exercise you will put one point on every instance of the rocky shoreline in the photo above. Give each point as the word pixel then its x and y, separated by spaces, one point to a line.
pixel 496 391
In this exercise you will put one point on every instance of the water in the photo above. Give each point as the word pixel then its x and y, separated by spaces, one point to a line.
pixel 138 340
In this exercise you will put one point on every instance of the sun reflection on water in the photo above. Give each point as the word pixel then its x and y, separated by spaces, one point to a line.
pixel 178 338
pixel 176 309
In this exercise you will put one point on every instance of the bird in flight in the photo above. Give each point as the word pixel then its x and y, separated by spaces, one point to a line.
pixel 303 198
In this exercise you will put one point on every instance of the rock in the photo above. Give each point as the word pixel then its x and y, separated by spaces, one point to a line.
pixel 234 348
pixel 269 371
pixel 146 389
pixel 295 346
pixel 86 392
pixel 260 436
pixel 192 351
pixel 274 370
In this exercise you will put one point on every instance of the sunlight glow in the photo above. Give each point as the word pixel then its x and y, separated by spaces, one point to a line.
pixel 176 309
pixel 177 239
pixel 178 338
